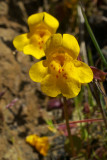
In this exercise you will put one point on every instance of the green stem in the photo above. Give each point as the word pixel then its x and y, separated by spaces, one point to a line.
pixel 93 37
pixel 67 125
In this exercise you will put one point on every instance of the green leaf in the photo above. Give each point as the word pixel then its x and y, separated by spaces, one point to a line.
pixel 93 38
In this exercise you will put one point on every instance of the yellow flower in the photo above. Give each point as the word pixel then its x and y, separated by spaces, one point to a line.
pixel 40 143
pixel 41 26
pixel 61 72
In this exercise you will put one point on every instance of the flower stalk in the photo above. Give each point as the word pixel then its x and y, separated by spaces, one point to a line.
pixel 68 127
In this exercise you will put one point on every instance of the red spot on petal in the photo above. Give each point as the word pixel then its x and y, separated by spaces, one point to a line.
pixel 40 47
pixel 59 71
pixel 62 69
pixel 54 68
pixel 57 76
pixel 65 75
pixel 51 65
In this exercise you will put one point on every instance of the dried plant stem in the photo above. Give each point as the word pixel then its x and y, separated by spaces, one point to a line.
pixel 105 97
pixel 103 115
pixel 67 125
pixel 96 95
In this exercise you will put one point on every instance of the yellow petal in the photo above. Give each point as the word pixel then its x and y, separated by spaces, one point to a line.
pixel 37 72
pixel 42 145
pixel 30 49
pixel 49 86
pixel 70 43
pixel 79 71
pixel 35 18
pixel 31 139
pixel 82 72
pixel 52 44
pixel 51 22
pixel 56 43
pixel 20 41
pixel 70 88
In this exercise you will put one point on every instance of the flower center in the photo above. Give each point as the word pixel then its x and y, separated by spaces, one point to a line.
pixel 40 37
pixel 57 65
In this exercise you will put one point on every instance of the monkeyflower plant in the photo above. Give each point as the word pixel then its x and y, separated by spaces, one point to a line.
pixel 61 72
pixel 41 27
